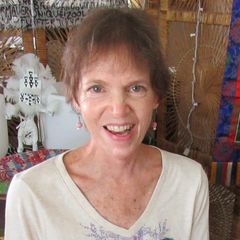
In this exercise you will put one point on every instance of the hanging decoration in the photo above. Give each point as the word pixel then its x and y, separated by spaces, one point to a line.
pixel 194 79
pixel 3 128
pixel 47 13
pixel 227 143
pixel 26 93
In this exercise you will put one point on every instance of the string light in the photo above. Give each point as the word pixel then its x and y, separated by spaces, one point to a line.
pixel 194 79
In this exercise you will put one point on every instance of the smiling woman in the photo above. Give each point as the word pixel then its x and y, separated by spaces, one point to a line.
pixel 114 186
pixel 116 101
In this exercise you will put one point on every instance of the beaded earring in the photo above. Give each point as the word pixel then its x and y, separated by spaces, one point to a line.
pixel 79 123
pixel 154 123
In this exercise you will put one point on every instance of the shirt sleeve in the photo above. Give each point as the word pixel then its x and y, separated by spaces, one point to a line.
pixel 21 220
pixel 200 228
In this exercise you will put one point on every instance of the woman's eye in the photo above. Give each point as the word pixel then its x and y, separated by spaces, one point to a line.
pixel 96 89
pixel 137 89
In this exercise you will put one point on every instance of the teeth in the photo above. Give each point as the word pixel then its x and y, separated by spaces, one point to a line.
pixel 114 128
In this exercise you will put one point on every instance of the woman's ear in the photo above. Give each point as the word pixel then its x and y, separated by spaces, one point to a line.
pixel 156 106
pixel 75 100
pixel 156 103
pixel 76 105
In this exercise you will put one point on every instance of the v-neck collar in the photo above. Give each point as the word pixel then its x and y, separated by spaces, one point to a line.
pixel 96 216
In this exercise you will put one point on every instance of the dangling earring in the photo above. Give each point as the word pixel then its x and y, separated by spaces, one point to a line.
pixel 154 123
pixel 154 126
pixel 79 122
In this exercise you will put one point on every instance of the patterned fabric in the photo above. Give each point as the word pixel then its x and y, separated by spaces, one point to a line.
pixel 12 164
pixel 227 144
pixel 222 173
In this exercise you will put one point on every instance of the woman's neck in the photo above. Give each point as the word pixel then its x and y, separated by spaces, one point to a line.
pixel 99 164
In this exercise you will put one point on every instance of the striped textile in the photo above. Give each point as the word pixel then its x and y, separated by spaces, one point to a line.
pixel 225 173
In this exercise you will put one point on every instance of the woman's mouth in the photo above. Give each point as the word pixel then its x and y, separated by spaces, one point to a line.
pixel 119 129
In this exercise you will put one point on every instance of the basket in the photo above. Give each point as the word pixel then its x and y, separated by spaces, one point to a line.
pixel 221 212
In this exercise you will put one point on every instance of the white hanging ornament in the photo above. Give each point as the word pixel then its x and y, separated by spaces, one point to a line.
pixel 3 128
pixel 29 89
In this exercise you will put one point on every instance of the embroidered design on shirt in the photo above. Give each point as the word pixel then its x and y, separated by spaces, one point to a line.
pixel 144 233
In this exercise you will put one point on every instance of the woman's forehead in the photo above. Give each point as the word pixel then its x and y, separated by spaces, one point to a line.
pixel 119 56
pixel 115 64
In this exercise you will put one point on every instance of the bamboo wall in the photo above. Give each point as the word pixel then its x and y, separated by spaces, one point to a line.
pixel 176 20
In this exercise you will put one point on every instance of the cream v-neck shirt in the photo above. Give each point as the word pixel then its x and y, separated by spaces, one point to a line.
pixel 43 203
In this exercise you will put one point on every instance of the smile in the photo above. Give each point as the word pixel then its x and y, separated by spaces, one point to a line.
pixel 119 129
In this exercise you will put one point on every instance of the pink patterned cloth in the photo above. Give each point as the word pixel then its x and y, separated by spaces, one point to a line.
pixel 15 163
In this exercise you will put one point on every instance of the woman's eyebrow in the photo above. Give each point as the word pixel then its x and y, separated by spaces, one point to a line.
pixel 92 81
pixel 139 81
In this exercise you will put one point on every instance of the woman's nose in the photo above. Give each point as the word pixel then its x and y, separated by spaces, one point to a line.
pixel 119 105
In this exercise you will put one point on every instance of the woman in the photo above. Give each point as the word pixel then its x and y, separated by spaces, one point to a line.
pixel 114 187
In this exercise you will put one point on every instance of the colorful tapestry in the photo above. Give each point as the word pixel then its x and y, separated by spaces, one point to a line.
pixel 227 144
pixel 15 163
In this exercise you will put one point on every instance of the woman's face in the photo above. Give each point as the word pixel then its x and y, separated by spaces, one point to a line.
pixel 116 102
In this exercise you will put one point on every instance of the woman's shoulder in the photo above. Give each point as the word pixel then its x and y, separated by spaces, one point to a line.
pixel 177 165
pixel 38 182
pixel 180 160
pixel 40 172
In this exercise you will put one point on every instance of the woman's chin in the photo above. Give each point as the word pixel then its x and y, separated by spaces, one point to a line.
pixel 118 145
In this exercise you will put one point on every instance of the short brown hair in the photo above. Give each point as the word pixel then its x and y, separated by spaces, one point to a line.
pixel 105 29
